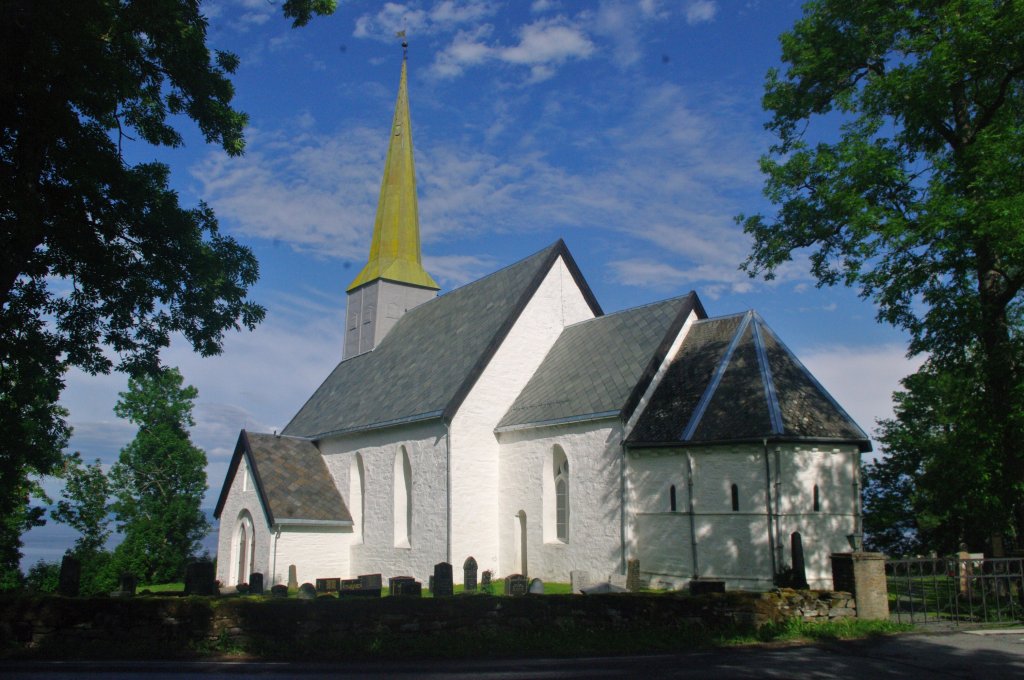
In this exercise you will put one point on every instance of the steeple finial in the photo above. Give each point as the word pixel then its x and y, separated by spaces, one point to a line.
pixel 395 248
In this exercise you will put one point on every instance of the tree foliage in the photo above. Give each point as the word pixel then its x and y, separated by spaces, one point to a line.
pixel 97 253
pixel 909 186
pixel 159 479
pixel 84 504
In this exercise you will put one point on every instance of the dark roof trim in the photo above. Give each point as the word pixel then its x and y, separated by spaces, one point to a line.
pixel 558 250
pixel 659 355
pixel 864 445
pixel 771 395
pixel 243 448
pixel 315 522
pixel 604 415
pixel 716 379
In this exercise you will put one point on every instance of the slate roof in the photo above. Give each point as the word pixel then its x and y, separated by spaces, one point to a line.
pixel 734 380
pixel 428 362
pixel 601 366
pixel 291 479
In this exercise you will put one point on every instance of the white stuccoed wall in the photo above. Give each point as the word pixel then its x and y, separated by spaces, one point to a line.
pixel 475 475
pixel 236 502
pixel 426 444
pixel 316 552
pixel 734 545
pixel 593 450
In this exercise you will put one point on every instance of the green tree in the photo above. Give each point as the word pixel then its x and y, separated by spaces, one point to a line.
pixel 159 479
pixel 84 504
pixel 899 170
pixel 97 253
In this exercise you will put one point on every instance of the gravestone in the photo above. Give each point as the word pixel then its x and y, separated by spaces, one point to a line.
pixel 371 582
pixel 485 581
pixel 307 592
pixel 633 576
pixel 516 585
pixel 293 581
pixel 256 583
pixel 469 575
pixel 200 578
pixel 442 585
pixel 328 585
pixel 70 576
pixel 410 588
pixel 536 587
pixel 279 591
pixel 395 581
pixel 127 585
pixel 430 583
pixel 796 548
pixel 578 580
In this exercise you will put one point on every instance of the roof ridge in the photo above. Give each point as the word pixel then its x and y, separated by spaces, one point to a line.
pixel 631 309
pixel 496 272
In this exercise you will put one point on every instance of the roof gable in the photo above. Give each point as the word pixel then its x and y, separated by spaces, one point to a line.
pixel 290 478
pixel 734 380
pixel 601 366
pixel 427 364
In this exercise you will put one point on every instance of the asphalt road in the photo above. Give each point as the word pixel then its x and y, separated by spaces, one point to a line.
pixel 939 655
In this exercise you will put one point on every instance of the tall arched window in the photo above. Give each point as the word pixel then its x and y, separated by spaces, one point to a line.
pixel 562 500
pixel 403 499
pixel 735 498
pixel 817 499
pixel 244 548
pixel 356 488
pixel 672 498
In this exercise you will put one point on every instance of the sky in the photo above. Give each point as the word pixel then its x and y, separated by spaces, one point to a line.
pixel 631 129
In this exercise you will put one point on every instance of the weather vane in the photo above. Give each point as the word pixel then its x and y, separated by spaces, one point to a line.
pixel 405 43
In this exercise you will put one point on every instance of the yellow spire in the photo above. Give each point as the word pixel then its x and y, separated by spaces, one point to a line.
pixel 395 249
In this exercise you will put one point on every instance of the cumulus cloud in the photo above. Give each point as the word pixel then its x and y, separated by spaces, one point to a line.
pixel 442 17
pixel 700 11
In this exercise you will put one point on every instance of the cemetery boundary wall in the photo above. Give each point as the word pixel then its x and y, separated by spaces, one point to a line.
pixel 167 627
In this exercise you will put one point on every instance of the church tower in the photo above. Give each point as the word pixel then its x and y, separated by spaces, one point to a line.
pixel 393 280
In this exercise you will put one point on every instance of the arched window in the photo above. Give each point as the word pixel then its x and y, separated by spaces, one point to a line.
pixel 735 498
pixel 356 489
pixel 403 499
pixel 562 500
pixel 817 500
pixel 672 498
pixel 244 548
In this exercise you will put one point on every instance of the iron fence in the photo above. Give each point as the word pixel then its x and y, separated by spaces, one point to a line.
pixel 955 590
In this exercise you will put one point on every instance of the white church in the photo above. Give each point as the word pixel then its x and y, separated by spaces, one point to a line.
pixel 513 421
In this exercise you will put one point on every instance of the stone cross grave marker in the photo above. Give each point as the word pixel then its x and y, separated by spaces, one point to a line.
pixel 442 585
pixel 516 585
pixel 469 575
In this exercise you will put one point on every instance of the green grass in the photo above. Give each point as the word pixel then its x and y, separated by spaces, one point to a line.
pixel 163 588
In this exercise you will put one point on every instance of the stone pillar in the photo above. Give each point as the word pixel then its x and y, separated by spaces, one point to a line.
pixel 863 575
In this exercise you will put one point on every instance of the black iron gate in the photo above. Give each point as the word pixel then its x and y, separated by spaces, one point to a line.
pixel 956 590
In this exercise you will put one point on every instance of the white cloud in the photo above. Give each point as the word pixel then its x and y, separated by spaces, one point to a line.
pixel 700 11
pixel 443 17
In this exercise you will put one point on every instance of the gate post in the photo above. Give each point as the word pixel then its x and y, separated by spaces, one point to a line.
pixel 863 574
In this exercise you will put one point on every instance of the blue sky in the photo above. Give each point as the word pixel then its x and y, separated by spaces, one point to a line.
pixel 631 129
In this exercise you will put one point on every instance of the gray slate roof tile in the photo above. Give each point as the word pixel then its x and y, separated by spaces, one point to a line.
pixel 595 366
pixel 430 359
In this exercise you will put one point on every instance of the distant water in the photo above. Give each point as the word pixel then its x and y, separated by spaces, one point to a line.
pixel 50 541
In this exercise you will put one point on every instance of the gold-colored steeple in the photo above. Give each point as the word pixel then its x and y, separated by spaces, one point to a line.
pixel 395 249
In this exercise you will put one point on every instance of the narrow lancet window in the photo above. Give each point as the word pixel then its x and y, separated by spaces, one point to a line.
pixel 735 498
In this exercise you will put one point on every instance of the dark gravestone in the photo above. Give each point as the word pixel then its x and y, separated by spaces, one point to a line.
pixel 430 583
pixel 256 583
pixel 328 585
pixel 200 578
pixel 703 586
pixel 536 587
pixel 70 576
pixel 410 588
pixel 443 585
pixel 395 581
pixel 796 548
pixel 469 575
pixel 293 580
pixel 633 576
pixel 371 582
pixel 485 581
pixel 307 592
pixel 280 590
pixel 516 585
pixel 128 584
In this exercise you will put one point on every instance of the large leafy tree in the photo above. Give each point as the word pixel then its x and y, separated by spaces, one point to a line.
pixel 98 254
pixel 84 503
pixel 899 170
pixel 159 479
